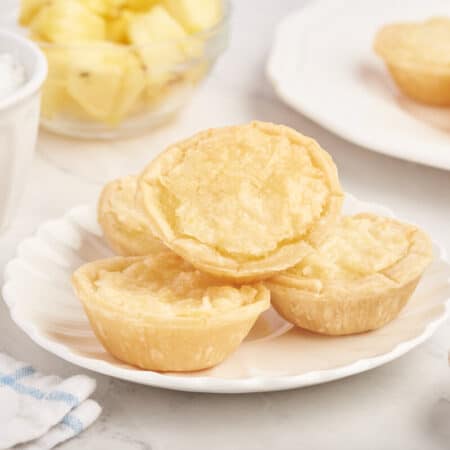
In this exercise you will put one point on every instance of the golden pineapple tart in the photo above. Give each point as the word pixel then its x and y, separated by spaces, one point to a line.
pixel 417 55
pixel 159 313
pixel 127 56
pixel 357 280
pixel 226 223
pixel 242 202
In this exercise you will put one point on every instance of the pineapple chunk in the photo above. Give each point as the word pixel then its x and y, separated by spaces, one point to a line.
pixel 54 95
pixel 106 82
pixel 133 84
pixel 140 5
pixel 29 8
pixel 57 101
pixel 54 92
pixel 157 25
pixel 105 8
pixel 95 81
pixel 195 15
pixel 117 29
pixel 55 98
pixel 162 43
pixel 67 21
pixel 197 72
pixel 58 61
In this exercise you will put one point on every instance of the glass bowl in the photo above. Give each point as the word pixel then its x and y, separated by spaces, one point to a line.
pixel 105 90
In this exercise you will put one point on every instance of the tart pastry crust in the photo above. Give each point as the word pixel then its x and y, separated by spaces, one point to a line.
pixel 160 313
pixel 358 279
pixel 242 202
pixel 417 56
pixel 124 226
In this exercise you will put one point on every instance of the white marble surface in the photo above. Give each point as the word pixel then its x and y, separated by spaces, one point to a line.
pixel 403 405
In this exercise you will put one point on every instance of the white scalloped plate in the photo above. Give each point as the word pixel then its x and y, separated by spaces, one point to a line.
pixel 275 355
pixel 322 64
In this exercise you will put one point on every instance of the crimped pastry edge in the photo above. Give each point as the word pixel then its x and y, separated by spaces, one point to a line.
pixel 116 234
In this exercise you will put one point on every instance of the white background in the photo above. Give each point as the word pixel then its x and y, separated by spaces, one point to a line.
pixel 403 405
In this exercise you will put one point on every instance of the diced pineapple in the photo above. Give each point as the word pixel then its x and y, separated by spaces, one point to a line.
pixel 67 21
pixel 55 98
pixel 140 5
pixel 169 96
pixel 197 72
pixel 54 92
pixel 157 94
pixel 105 8
pixel 106 82
pixel 133 84
pixel 95 81
pixel 162 43
pixel 58 61
pixel 29 8
pixel 117 29
pixel 157 25
pixel 195 15
pixel 54 95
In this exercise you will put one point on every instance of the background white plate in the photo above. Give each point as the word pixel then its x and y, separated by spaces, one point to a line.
pixel 322 64
pixel 275 355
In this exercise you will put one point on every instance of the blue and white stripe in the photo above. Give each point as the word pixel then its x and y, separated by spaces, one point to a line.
pixel 12 381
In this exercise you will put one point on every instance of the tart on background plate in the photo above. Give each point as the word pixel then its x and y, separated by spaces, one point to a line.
pixel 417 56
pixel 358 280
pixel 242 202
pixel 322 64
pixel 160 313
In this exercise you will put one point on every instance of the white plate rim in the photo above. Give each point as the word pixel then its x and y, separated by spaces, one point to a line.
pixel 210 384
pixel 279 78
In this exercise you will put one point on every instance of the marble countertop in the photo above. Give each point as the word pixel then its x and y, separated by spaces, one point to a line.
pixel 402 405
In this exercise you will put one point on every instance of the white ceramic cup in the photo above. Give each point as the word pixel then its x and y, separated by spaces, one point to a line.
pixel 19 121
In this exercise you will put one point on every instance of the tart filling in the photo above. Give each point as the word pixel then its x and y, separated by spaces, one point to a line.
pixel 169 286
pixel 359 246
pixel 237 201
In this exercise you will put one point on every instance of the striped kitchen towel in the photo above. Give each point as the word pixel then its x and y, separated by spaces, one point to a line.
pixel 37 411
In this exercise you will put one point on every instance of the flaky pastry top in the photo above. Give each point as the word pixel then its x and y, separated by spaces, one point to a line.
pixel 244 192
pixel 362 246
pixel 359 246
